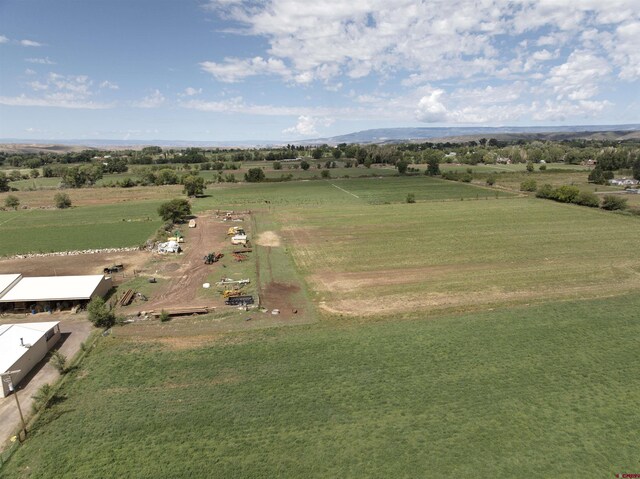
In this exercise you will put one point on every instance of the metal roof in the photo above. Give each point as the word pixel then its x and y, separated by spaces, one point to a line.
pixel 10 347
pixel 7 280
pixel 52 288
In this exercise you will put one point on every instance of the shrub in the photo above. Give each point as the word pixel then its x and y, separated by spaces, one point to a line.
pixel 164 316
pixel 586 198
pixel 41 397
pixel 254 175
pixel 530 167
pixel 491 180
pixel 596 177
pixel 613 202
pixel 466 177
pixel 402 166
pixel 543 167
pixel 12 201
pixel 545 191
pixel 59 361
pixel 325 174
pixel 566 194
pixel 411 198
pixel 304 165
pixel 277 165
pixel 62 200
pixel 529 185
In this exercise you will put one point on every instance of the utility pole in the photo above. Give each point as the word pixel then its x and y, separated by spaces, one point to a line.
pixel 6 378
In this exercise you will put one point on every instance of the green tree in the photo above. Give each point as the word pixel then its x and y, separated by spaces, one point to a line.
pixel 277 165
pixel 566 194
pixel 4 182
pixel 62 200
pixel 596 176
pixel 304 165
pixel 635 168
pixel 317 153
pixel 337 153
pixel 325 174
pixel 193 185
pixel 254 175
pixel 433 166
pixel 411 198
pixel 34 173
pixel 546 191
pixel 491 180
pixel 175 210
pixel 613 202
pixel 402 167
pixel 99 315
pixel 530 167
pixel 12 201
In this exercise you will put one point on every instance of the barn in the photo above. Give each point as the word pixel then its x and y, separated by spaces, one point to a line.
pixel 22 346
pixel 49 293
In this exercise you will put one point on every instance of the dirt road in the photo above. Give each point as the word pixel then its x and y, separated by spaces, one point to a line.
pixel 186 280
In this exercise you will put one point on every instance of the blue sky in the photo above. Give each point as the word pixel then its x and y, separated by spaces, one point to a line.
pixel 231 70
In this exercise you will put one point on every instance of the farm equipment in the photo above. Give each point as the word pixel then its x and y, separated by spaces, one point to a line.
pixel 235 230
pixel 230 293
pixel 225 281
pixel 212 258
pixel 116 268
pixel 239 300
pixel 192 223
pixel 239 257
pixel 240 239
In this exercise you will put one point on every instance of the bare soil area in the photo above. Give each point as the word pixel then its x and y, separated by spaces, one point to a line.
pixel 187 272
pixel 76 264
pixel 268 238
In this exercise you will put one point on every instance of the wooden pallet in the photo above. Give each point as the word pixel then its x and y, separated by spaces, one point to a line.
pixel 127 297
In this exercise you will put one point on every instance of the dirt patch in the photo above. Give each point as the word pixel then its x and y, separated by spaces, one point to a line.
pixel 187 272
pixel 268 238
pixel 410 302
pixel 280 296
pixel 76 265
pixel 332 281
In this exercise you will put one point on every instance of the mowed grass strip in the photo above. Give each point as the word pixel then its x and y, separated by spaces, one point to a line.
pixel 104 226
pixel 389 258
pixel 549 391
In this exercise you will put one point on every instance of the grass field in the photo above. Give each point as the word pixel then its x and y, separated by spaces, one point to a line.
pixel 104 226
pixel 473 333
pixel 548 391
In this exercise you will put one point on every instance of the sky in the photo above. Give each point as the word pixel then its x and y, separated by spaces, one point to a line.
pixel 287 70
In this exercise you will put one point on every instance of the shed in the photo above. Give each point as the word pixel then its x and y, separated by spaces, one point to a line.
pixel 22 346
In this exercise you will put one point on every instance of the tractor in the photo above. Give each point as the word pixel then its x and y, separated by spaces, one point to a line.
pixel 212 258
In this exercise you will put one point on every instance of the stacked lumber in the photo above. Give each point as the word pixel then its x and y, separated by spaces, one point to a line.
pixel 127 297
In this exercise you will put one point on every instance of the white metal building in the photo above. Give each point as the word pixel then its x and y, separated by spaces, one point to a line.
pixel 49 293
pixel 22 346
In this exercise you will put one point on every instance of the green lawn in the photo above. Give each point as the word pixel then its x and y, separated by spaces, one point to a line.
pixel 118 225
pixel 548 391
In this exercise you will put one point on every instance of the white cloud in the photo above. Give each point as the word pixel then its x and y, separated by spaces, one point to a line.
pixel 154 100
pixel 235 69
pixel 29 71
pixel 55 100
pixel 579 78
pixel 40 61
pixel 30 43
pixel 59 91
pixel 431 109
pixel 109 85
pixel 3 39
pixel 190 91
pixel 307 126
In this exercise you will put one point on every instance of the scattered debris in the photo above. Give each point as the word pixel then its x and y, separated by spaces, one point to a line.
pixel 206 285
pixel 192 223
pixel 179 311
pixel 224 281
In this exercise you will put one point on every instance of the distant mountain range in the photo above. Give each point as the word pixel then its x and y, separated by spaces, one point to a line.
pixel 379 135
pixel 394 135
